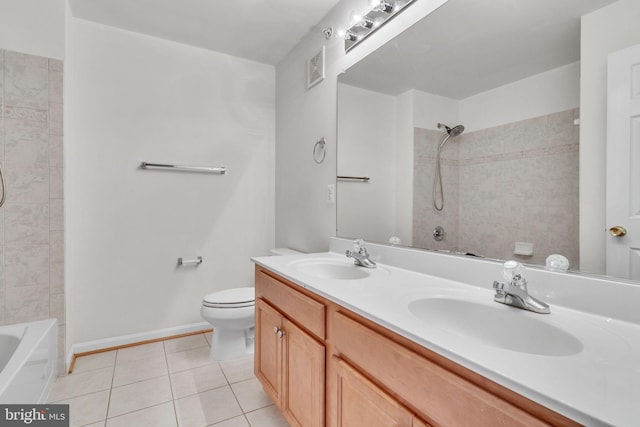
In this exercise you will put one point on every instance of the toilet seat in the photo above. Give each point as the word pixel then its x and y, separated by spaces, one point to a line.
pixel 231 298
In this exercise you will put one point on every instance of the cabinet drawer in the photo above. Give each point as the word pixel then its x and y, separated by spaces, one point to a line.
pixel 307 312
pixel 443 397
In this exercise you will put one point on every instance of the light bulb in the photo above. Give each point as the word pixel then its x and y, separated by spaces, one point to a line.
pixel 385 6
pixel 367 22
pixel 355 17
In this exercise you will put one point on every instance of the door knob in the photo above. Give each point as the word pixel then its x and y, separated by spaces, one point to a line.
pixel 618 231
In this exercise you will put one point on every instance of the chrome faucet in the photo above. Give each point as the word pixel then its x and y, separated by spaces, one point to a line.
pixel 360 255
pixel 514 292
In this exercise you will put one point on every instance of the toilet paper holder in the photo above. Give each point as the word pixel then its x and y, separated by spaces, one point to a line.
pixel 196 261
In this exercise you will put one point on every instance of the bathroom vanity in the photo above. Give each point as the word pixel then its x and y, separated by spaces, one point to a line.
pixel 338 345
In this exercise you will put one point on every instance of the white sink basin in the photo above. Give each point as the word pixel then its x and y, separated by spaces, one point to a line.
pixel 333 270
pixel 499 326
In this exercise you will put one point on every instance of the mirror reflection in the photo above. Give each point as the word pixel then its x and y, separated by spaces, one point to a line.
pixel 467 125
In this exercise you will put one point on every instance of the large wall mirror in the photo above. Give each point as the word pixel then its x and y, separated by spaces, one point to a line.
pixel 467 128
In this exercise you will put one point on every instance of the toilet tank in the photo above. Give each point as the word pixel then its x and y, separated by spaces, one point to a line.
pixel 283 251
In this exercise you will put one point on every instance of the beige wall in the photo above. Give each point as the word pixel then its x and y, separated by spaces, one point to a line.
pixel 604 31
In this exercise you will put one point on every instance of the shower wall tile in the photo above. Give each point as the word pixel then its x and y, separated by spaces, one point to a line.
pixel 26 224
pixel 1 77
pixel 11 112
pixel 26 141
pixel 27 184
pixel 55 65
pixel 27 303
pixel 516 182
pixel 56 307
pixel 1 135
pixel 26 80
pixel 425 217
pixel 32 220
pixel 2 287
pixel 55 151
pixel 55 119
pixel 55 86
pixel 56 214
pixel 27 265
pixel 56 187
pixel 56 277
pixel 56 246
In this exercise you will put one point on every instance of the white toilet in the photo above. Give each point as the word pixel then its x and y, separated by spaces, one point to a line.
pixel 231 312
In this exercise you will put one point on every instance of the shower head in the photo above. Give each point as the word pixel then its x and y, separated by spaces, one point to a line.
pixel 454 131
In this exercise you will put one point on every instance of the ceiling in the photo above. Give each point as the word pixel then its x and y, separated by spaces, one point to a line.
pixel 470 46
pixel 260 30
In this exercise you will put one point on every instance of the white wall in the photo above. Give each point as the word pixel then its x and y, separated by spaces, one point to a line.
pixel 404 167
pixel 545 93
pixel 367 129
pixel 604 31
pixel 35 27
pixel 304 220
pixel 429 110
pixel 133 98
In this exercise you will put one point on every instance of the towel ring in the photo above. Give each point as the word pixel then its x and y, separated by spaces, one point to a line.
pixel 320 150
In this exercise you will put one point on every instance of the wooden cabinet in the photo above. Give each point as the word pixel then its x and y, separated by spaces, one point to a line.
pixel 428 389
pixel 268 349
pixel 373 376
pixel 359 402
pixel 303 378
pixel 289 361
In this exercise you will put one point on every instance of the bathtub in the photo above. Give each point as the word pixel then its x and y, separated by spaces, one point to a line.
pixel 28 356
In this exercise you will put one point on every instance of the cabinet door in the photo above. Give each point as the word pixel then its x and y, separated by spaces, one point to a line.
pixel 303 377
pixel 419 423
pixel 359 402
pixel 268 350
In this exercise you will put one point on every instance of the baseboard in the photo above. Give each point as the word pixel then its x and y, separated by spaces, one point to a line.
pixel 131 339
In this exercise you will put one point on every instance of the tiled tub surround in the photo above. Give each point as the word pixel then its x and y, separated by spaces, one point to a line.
pixel 167 383
pixel 31 221
pixel 512 183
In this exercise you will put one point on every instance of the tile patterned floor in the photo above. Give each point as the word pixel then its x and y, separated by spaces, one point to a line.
pixel 171 383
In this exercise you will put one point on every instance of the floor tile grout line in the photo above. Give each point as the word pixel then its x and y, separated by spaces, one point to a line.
pixel 113 377
pixel 173 397
pixel 139 409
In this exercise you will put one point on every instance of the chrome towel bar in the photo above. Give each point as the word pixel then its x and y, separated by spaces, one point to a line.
pixel 219 170
pixel 353 178
pixel 196 261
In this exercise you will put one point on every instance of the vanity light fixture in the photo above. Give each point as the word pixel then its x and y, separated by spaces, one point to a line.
pixel 381 12
pixel 385 6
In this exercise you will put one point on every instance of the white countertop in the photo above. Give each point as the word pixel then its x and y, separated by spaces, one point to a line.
pixel 599 386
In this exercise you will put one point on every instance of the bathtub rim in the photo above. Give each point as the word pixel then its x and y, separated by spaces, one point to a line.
pixel 34 334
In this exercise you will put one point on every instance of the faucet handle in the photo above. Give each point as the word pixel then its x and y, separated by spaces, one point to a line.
pixel 359 247
pixel 513 271
pixel 499 287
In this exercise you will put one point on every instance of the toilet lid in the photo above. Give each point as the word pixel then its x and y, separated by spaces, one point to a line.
pixel 231 298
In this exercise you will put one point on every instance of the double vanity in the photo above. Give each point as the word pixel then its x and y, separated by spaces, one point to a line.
pixel 419 341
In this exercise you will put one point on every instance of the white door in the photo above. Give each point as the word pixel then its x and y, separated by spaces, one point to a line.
pixel 623 164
